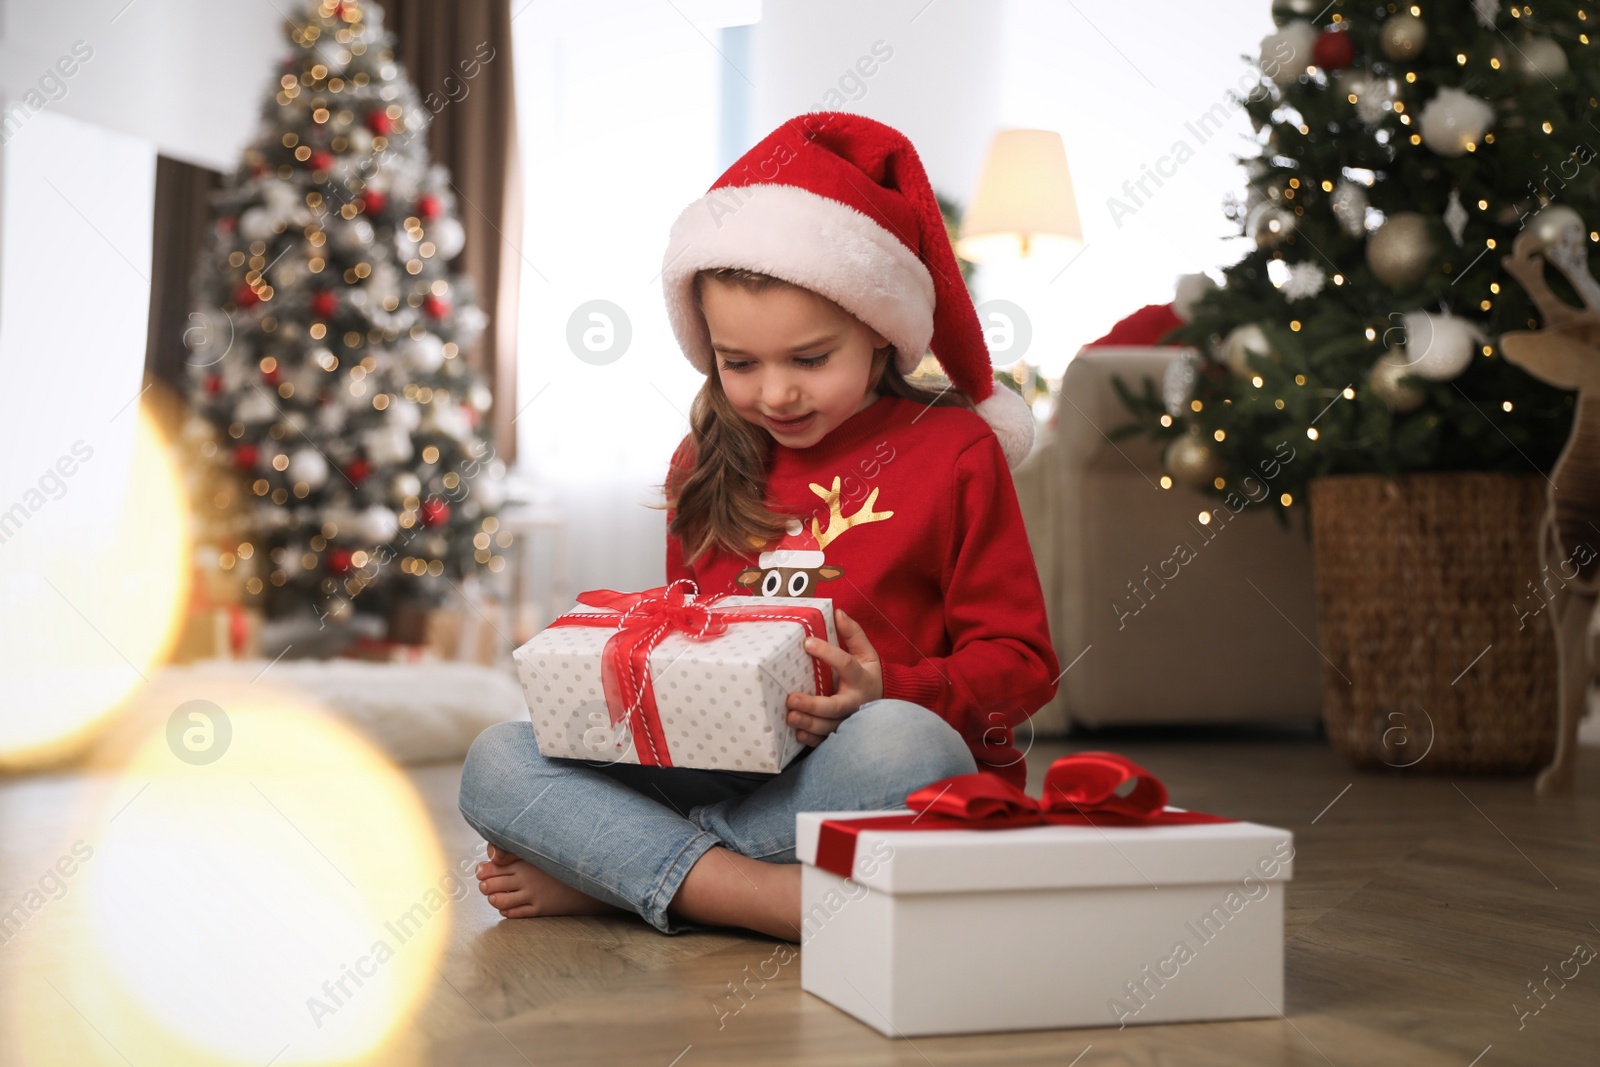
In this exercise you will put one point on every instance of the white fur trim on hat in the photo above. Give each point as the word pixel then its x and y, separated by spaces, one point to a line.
pixel 814 242
pixel 790 557
pixel 1012 420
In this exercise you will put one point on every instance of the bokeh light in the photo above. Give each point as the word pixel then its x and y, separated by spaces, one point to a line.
pixel 93 605
pixel 286 902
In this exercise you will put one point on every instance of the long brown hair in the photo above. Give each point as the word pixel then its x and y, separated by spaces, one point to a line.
pixel 719 497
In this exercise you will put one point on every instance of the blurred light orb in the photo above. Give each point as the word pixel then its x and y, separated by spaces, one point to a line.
pixel 95 604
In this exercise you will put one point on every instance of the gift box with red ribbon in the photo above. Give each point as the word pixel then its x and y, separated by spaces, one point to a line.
pixel 664 679
pixel 979 908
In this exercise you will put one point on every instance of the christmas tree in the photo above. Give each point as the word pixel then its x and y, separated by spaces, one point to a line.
pixel 328 349
pixel 1400 153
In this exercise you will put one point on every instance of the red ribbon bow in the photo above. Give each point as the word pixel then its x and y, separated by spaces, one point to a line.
pixel 1082 789
pixel 644 620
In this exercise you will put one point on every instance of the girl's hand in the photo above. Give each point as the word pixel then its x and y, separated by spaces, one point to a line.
pixel 860 681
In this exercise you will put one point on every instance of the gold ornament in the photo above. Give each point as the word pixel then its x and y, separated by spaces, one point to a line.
pixel 1384 380
pixel 1399 252
pixel 1192 461
pixel 1270 224
pixel 1402 36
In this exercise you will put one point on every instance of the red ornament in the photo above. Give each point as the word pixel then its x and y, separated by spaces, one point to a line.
pixel 245 457
pixel 213 384
pixel 321 160
pixel 1333 50
pixel 378 122
pixel 428 206
pixel 436 307
pixel 227 223
pixel 471 414
pixel 245 297
pixel 435 512
pixel 324 303
pixel 376 200
pixel 357 470
pixel 273 376
pixel 337 560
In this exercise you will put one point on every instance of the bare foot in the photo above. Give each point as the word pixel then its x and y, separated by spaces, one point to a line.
pixel 724 888
pixel 517 890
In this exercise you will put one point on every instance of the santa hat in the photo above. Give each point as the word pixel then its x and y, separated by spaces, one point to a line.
pixel 839 204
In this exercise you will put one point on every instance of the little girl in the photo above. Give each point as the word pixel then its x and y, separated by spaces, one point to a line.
pixel 807 284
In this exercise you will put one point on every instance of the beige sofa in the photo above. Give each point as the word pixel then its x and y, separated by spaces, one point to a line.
pixel 1221 634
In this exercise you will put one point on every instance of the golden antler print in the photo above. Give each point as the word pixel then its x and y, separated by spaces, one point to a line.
pixel 837 523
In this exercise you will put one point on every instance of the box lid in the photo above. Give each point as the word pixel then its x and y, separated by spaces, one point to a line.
pixel 1053 857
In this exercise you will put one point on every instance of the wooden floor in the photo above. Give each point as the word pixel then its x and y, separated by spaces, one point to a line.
pixel 1422 907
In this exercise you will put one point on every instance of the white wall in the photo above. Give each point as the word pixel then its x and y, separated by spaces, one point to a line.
pixel 189 78
pixel 941 84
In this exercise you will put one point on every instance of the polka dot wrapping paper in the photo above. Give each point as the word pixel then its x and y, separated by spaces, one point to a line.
pixel 722 701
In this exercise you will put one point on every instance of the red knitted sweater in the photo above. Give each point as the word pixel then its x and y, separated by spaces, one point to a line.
pixel 914 510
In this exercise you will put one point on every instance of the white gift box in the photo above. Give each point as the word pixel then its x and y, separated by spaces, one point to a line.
pixel 1040 927
pixel 722 701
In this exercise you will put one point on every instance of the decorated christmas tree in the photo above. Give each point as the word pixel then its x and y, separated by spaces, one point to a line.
pixel 328 350
pixel 1401 152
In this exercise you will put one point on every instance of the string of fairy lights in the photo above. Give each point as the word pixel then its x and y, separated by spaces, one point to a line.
pixel 1402 249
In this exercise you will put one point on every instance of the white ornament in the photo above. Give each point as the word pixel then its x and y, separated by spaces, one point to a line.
pixel 1374 96
pixel 255 224
pixel 1349 204
pixel 425 353
pixel 1285 55
pixel 480 396
pixel 1242 342
pixel 489 492
pixel 405 414
pixel 1541 58
pixel 377 525
pixel 1452 120
pixel 255 406
pixel 448 237
pixel 1306 279
pixel 1486 10
pixel 1455 217
pixel 387 445
pixel 355 236
pixel 405 485
pixel 470 321
pixel 309 466
pixel 1439 347
pixel 447 418
pixel 1177 384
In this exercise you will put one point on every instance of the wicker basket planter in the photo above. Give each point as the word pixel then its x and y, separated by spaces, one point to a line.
pixel 1422 581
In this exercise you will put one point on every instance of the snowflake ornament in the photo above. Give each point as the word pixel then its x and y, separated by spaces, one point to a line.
pixel 1306 279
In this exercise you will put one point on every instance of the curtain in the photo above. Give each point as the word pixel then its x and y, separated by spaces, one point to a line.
pixel 181 218
pixel 458 55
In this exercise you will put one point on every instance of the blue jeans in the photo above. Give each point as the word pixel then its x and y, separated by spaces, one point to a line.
pixel 628 834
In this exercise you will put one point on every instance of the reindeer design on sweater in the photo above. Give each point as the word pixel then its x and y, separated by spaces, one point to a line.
pixel 1566 354
pixel 797 565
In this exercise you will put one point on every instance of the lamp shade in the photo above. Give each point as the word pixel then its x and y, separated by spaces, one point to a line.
pixel 1024 201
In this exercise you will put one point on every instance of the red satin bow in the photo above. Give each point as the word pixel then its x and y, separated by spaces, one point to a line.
pixel 1082 789
pixel 645 619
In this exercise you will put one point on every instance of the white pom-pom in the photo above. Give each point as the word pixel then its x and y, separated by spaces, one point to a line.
pixel 1190 290
pixel 1012 421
